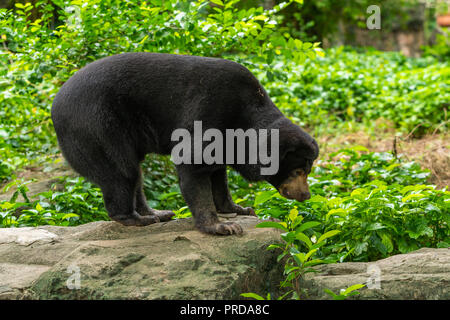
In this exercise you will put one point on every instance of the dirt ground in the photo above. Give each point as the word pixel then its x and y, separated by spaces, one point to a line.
pixel 431 151
pixel 43 178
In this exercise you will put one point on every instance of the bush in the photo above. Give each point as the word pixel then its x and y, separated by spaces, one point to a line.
pixel 347 86
pixel 380 205
pixel 441 49
pixel 77 203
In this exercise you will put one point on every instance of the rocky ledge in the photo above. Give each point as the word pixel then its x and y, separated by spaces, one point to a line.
pixel 421 274
pixel 172 260
pixel 105 260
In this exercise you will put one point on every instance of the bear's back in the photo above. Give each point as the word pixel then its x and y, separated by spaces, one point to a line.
pixel 156 77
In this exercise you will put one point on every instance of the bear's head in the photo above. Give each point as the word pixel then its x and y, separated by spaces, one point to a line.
pixel 298 150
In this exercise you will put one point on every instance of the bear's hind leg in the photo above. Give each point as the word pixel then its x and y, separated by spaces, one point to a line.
pixel 222 197
pixel 110 162
pixel 144 210
pixel 119 197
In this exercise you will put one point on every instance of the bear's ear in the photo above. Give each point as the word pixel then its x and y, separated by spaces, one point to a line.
pixel 314 148
pixel 293 139
pixel 304 146
pixel 285 151
pixel 307 146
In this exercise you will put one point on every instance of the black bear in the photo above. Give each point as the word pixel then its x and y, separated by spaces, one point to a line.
pixel 114 111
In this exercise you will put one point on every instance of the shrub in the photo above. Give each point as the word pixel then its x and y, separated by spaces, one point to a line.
pixel 380 209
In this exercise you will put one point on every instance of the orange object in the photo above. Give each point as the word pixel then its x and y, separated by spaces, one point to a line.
pixel 444 20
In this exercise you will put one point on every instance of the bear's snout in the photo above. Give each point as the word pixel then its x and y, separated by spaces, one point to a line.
pixel 295 186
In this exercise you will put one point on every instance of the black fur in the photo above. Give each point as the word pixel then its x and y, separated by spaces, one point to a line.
pixel 114 111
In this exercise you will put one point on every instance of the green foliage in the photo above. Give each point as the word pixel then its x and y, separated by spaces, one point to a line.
pixel 349 168
pixel 77 203
pixel 326 18
pixel 380 204
pixel 298 261
pixel 441 49
pixel 258 297
pixel 161 183
pixel 378 220
pixel 345 293
pixel 254 296
pixel 346 86
pixel 371 205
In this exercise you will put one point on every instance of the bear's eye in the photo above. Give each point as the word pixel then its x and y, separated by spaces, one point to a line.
pixel 296 173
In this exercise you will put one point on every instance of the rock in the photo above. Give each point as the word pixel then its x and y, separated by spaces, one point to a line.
pixel 422 274
pixel 172 260
pixel 105 260
pixel 26 236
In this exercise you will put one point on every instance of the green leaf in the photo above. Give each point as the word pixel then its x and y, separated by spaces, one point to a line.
pixel 300 258
pixel 273 246
pixel 298 43
pixel 413 196
pixel 264 196
pixel 317 245
pixel 260 17
pixel 288 236
pixel 338 212
pixel 307 225
pixel 419 227
pixel 313 262
pixel 167 195
pixel 281 256
pixel 303 237
pixel 218 2
pixel 443 244
pixel 6 205
pixel 353 288
pixel 307 45
pixel 375 226
pixel 252 295
pixel 386 240
pixel 361 247
pixel 327 235
pixel 272 224
pixel 309 254
pixel 332 294
pixel 318 198
pixel 293 214
pixel 69 215
pixel 319 52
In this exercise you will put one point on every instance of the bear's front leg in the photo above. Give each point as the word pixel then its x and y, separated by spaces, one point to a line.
pixel 222 197
pixel 197 192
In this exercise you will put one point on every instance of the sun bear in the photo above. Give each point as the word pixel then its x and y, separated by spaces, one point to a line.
pixel 115 110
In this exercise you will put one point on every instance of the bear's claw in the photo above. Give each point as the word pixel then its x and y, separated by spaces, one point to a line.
pixel 162 215
pixel 223 228
pixel 135 219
